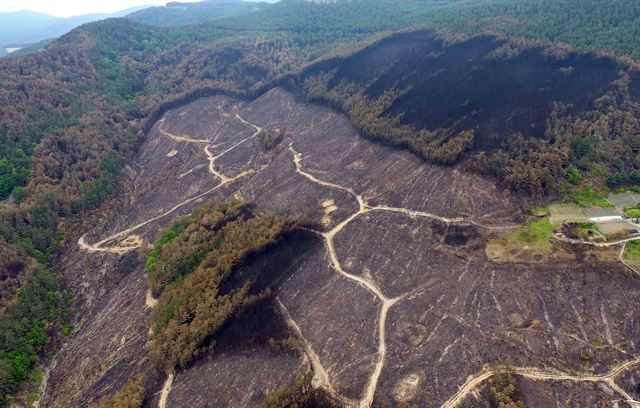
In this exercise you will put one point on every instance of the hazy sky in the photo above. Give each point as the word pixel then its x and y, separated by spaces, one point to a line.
pixel 67 8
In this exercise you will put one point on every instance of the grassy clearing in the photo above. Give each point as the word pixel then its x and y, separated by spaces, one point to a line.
pixel 167 236
pixel 632 252
pixel 539 211
pixel 632 212
pixel 587 227
pixel 561 213
pixel 530 241
pixel 583 230
pixel 536 233
pixel 588 197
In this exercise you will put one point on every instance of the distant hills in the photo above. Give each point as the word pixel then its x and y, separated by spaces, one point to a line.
pixel 20 28
pixel 27 31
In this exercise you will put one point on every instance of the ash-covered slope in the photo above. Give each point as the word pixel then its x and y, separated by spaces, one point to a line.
pixel 510 108
pixel 494 85
pixel 390 294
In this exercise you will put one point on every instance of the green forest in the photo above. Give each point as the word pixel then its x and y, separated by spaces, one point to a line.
pixel 190 268
pixel 193 12
pixel 132 395
pixel 75 112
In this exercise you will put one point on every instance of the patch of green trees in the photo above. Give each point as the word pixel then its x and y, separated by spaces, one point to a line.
pixel 24 328
pixel 131 395
pixel 190 268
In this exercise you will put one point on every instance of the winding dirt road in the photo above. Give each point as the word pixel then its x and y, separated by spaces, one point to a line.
pixel 536 374
pixel 166 389
pixel 476 381
pixel 124 241
pixel 369 284
pixel 320 375
pixel 596 244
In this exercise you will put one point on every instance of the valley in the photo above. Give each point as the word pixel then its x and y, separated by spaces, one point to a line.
pixel 388 287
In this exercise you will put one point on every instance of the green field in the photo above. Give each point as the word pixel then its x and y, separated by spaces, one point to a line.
pixel 632 252
pixel 588 197
pixel 536 233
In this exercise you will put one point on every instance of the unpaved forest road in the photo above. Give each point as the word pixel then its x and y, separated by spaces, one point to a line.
pixel 540 375
pixel 368 284
pixel 597 244
pixel 166 389
pixel 321 376
pixel 472 384
pixel 622 242
pixel 132 242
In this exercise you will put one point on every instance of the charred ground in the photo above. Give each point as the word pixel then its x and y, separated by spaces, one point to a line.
pixel 495 85
pixel 388 292
pixel 484 100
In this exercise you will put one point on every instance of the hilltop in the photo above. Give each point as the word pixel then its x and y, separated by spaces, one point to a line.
pixel 22 28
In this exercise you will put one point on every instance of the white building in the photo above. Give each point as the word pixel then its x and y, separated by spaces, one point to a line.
pixel 606 218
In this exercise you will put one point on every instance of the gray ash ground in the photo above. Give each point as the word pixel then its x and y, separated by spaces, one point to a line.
pixel 452 314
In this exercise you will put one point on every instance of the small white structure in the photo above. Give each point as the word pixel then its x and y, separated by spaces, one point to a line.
pixel 606 218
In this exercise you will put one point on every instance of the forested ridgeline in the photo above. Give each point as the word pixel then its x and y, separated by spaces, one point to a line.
pixel 190 271
pixel 590 25
pixel 183 13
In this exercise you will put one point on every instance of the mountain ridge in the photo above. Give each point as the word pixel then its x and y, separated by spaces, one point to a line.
pixel 25 27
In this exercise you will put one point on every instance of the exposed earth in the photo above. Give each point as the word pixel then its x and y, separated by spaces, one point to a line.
pixel 391 292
